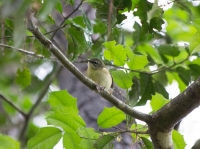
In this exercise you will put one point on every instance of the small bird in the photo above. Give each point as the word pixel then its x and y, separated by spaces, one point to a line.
pixel 99 73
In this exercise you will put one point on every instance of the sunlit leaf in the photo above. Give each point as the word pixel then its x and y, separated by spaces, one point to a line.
pixel 178 140
pixel 158 101
pixel 195 44
pixel 71 140
pixel 89 136
pixel 122 79
pixel 8 143
pixel 136 62
pixel 152 52
pixel 62 98
pixel 47 137
pixel 66 118
pixel 110 117
pixel 115 52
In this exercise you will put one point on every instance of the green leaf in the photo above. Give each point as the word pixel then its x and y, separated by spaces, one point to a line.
pixel 88 133
pixel 169 50
pixel 184 75
pixel 87 22
pixel 134 3
pixel 123 5
pixel 146 88
pixel 156 23
pixel 148 143
pixel 142 8
pixel 134 92
pixel 178 140
pixel 71 140
pixel 62 98
pixel 115 52
pixel 89 136
pixel 157 102
pixel 78 21
pixel 195 44
pixel 47 7
pixel 135 62
pixel 184 6
pixel 122 79
pixel 100 27
pixel 120 18
pixel 58 6
pixel 66 118
pixel 23 78
pixel 146 49
pixel 8 143
pixel 77 42
pixel 196 23
pixel 47 137
pixel 103 142
pixel 160 88
pixel 110 117
pixel 174 76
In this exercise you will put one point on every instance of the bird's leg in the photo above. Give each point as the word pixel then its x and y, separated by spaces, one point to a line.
pixel 99 88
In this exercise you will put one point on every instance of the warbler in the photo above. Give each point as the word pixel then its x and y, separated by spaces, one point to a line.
pixel 98 72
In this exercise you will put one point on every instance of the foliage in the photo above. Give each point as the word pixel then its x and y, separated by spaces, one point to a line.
pixel 162 47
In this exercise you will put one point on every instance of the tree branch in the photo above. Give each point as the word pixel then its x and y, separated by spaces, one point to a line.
pixel 60 26
pixel 39 99
pixel 67 64
pixel 27 52
pixel 164 120
pixel 13 106
pixel 179 107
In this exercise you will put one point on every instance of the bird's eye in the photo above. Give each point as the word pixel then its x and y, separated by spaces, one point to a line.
pixel 95 63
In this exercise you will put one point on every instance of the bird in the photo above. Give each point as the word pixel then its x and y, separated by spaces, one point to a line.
pixel 98 72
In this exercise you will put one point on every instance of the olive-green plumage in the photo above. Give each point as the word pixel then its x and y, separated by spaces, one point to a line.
pixel 99 73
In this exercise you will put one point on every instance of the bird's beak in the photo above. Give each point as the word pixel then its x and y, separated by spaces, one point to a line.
pixel 88 60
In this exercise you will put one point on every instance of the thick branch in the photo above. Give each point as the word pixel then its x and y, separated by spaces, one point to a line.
pixel 63 60
pixel 179 107
pixel 165 119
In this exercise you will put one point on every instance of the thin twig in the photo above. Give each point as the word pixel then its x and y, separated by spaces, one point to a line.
pixel 27 52
pixel 13 106
pixel 39 99
pixel 67 18
pixel 130 131
pixel 167 68
pixel 2 33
